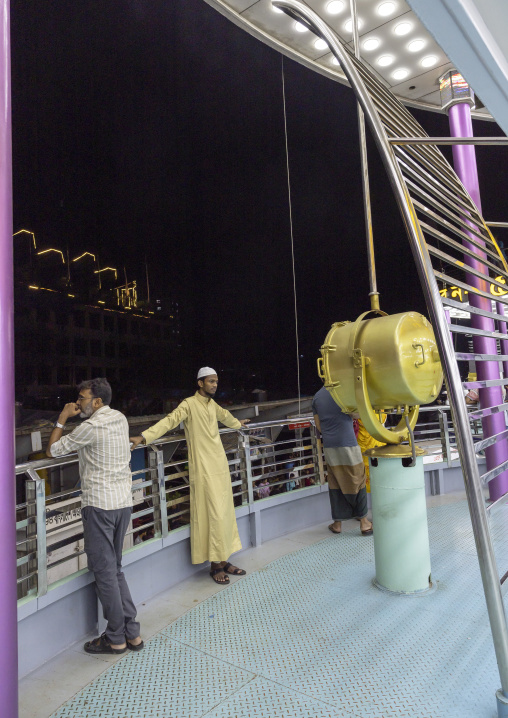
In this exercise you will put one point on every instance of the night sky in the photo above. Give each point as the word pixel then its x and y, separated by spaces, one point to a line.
pixel 155 130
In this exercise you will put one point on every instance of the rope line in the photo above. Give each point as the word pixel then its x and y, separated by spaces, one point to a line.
pixel 292 238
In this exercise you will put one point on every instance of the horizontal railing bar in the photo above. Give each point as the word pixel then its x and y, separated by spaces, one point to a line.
pixel 466 268
pixel 176 514
pixel 66 558
pixel 277 443
pixel 453 228
pixel 480 445
pixel 465 250
pixel 450 209
pixel 497 502
pixel 176 502
pixel 458 216
pixel 143 512
pixel 183 487
pixel 397 119
pixel 460 356
pixel 25 559
pixel 408 165
pixel 482 383
pixel 137 529
pixel 487 411
pixel 449 141
pixel 25 578
pixel 26 522
pixel 490 475
pixel 496 224
pixel 473 310
pixel 453 281
pixel 61 494
pixel 459 329
pixel 55 529
pixel 419 155
pixel 46 463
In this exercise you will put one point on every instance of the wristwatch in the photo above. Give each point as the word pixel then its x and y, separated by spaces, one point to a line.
pixel 58 425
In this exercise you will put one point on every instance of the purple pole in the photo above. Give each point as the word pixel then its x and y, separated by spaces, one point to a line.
pixel 464 160
pixel 8 597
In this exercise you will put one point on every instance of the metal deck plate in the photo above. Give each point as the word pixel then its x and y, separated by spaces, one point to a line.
pixel 309 636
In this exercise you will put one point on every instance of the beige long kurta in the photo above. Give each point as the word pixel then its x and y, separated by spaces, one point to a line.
pixel 214 533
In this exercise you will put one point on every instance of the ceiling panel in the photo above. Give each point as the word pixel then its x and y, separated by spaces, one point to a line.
pixel 261 19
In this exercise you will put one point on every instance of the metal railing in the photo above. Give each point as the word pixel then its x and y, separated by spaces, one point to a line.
pixel 265 459
pixel 443 225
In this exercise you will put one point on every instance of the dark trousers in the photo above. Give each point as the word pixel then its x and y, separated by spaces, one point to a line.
pixel 348 506
pixel 104 532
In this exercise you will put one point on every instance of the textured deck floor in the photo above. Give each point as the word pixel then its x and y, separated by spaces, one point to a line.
pixel 308 636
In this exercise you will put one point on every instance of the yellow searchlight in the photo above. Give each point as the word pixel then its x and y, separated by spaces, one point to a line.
pixel 379 364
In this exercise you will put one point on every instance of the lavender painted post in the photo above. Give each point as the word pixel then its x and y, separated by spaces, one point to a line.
pixel 8 612
pixel 464 160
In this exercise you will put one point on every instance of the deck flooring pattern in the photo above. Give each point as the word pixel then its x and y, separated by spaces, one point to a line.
pixel 309 636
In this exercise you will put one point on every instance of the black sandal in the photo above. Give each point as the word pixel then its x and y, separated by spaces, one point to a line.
pixel 102 645
pixel 138 647
pixel 236 571
pixel 215 571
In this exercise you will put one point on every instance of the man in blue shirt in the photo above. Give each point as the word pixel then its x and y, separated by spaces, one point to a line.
pixel 346 470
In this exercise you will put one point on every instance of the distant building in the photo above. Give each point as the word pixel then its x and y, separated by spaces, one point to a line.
pixel 61 341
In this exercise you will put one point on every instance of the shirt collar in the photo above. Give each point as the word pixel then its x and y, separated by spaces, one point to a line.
pixel 96 413
pixel 203 399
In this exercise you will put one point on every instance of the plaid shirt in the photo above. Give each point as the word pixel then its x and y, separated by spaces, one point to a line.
pixel 102 443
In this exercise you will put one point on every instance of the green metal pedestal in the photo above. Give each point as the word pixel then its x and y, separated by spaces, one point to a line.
pixel 399 515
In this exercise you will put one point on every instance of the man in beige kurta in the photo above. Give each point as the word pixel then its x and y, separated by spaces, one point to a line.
pixel 214 533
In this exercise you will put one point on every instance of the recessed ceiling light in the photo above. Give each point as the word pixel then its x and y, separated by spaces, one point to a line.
pixel 335 7
pixel 385 60
pixel 276 9
pixel 386 8
pixel 428 61
pixel 416 45
pixel 348 26
pixel 335 61
pixel 400 74
pixel 402 28
pixel 371 44
pixel 300 27
pixel 320 44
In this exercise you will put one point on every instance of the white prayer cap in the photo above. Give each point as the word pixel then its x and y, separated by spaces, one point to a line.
pixel 205 371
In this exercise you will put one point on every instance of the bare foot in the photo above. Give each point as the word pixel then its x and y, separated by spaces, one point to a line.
pixel 336 527
pixel 218 573
pixel 365 526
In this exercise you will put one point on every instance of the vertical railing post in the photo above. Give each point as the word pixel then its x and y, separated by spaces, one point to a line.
pixel 156 463
pixel 317 453
pixel 8 568
pixel 244 443
pixel 445 437
pixel 42 553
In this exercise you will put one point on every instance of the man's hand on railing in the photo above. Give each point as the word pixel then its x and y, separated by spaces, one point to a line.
pixel 136 441
pixel 244 421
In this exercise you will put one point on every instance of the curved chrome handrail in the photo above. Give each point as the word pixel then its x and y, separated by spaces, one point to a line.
pixel 490 576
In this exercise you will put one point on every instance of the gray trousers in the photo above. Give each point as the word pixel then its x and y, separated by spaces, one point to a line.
pixel 104 532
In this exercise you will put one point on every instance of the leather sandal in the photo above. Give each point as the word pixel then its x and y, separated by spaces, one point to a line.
pixel 138 647
pixel 235 572
pixel 215 571
pixel 102 645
